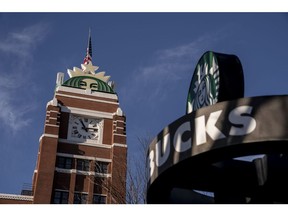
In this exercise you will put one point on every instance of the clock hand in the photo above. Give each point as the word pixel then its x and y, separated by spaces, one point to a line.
pixel 84 127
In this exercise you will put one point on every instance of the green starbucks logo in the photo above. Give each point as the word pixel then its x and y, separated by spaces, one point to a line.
pixel 204 87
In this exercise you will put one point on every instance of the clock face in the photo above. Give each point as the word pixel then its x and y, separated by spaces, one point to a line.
pixel 84 128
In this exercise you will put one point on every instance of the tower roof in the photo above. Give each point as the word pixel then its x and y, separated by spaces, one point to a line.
pixel 86 76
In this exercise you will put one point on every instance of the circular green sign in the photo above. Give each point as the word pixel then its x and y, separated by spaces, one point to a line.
pixel 204 86
pixel 217 77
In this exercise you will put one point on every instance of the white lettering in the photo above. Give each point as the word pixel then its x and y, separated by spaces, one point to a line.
pixel 162 151
pixel 179 145
pixel 211 129
pixel 200 132
pixel 246 124
pixel 201 129
pixel 240 118
pixel 151 163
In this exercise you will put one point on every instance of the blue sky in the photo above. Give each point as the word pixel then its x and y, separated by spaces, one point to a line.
pixel 150 56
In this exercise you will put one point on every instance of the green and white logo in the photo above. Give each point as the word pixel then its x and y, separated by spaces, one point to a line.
pixel 204 87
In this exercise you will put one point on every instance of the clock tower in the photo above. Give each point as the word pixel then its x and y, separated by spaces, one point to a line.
pixel 82 151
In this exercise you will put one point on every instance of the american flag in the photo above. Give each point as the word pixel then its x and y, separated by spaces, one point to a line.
pixel 88 56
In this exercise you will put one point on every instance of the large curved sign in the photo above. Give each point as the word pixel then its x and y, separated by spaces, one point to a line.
pixel 246 126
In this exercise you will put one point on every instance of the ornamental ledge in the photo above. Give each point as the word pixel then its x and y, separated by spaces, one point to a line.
pixel 16 197
pixel 81 172
pixel 84 92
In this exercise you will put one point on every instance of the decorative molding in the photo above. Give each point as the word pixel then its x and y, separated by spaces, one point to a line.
pixel 83 92
pixel 52 118
pixel 50 125
pixel 88 69
pixel 81 192
pixel 119 127
pixel 119 112
pixel 72 142
pixel 60 78
pixel 16 197
pixel 81 172
pixel 85 112
pixel 61 190
pixel 116 134
pixel 68 171
pixel 103 175
pixel 100 194
pixel 48 135
pixel 53 102
pixel 55 111
pixel 119 145
pixel 84 157
pixel 121 121
pixel 88 99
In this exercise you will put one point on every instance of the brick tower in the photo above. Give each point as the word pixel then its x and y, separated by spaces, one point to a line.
pixel 82 151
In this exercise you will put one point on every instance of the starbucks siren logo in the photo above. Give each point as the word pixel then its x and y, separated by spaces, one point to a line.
pixel 204 87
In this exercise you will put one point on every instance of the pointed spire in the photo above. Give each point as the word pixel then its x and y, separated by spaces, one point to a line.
pixel 88 56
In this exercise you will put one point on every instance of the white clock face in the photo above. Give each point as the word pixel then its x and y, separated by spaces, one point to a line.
pixel 84 128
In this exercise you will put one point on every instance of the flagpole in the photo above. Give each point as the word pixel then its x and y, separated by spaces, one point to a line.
pixel 88 56
pixel 90 43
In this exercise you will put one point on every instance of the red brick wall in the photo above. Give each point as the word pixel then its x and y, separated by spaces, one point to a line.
pixel 46 167
pixel 84 150
pixel 86 104
pixel 119 164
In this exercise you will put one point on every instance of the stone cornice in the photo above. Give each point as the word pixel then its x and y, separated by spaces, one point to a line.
pixel 16 197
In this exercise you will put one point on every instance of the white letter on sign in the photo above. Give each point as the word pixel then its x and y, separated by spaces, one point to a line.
pixel 201 129
pixel 151 163
pixel 179 145
pixel 162 150
pixel 238 116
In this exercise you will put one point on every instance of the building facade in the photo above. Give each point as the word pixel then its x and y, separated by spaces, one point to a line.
pixel 82 151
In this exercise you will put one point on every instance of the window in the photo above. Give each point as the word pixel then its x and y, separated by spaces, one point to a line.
pixel 99 199
pixel 64 163
pixel 60 197
pixel 80 198
pixel 101 167
pixel 83 165
pixel 100 184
